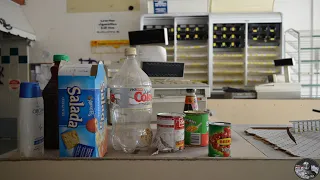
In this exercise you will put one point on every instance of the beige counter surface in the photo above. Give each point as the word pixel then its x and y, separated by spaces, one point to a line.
pixel 240 148
pixel 250 160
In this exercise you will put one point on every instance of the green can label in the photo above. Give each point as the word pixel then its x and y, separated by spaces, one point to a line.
pixel 219 140
pixel 196 128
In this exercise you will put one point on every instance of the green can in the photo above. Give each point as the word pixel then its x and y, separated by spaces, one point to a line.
pixel 196 124
pixel 219 139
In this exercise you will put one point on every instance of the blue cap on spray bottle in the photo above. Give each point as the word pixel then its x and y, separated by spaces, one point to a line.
pixel 30 90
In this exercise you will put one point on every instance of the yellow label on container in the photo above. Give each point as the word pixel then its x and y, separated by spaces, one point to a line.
pixel 233 29
pixel 228 63
pixel 197 29
pixel 271 30
pixel 196 64
pixel 113 43
pixel 255 38
pixel 179 28
pixel 223 44
pixel 231 80
pixel 232 44
pixel 171 29
pixel 224 35
pixel 201 81
pixel 233 36
pixel 187 29
pixel 214 44
pixel 255 30
pixel 261 63
pixel 215 27
pixel 178 35
pixel 214 36
pixel 224 28
pixel 169 48
pixel 196 36
pixel 187 36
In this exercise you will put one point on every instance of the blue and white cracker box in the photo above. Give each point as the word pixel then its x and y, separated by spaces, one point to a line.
pixel 82 110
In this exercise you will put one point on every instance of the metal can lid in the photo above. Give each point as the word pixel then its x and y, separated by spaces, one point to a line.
pixel 220 123
pixel 171 114
pixel 196 112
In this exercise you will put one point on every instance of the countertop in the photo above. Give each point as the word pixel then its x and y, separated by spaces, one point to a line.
pixel 251 159
pixel 243 146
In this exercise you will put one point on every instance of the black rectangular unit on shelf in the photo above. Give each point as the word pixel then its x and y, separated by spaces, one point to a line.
pixel 154 36
pixel 163 69
pixel 264 34
pixel 192 32
pixel 228 35
pixel 170 29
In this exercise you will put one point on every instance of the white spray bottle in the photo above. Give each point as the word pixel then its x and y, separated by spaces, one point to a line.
pixel 30 120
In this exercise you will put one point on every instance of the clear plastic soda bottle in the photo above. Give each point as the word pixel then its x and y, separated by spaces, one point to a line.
pixel 131 106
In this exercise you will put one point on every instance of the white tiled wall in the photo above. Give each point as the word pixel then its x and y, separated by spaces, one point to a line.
pixel 14 60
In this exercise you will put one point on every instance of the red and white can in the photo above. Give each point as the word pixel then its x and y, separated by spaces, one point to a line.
pixel 170 131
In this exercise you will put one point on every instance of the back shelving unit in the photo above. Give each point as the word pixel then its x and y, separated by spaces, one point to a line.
pixel 228 55
pixel 244 47
pixel 192 46
pixel 160 22
pixel 303 46
pixel 222 49
pixel 264 46
pixel 188 41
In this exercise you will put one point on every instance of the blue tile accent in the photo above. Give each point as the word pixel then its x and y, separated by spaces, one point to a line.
pixel 23 59
pixel 14 51
pixel 5 59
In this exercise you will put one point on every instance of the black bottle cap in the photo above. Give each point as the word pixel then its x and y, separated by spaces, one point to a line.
pixel 191 90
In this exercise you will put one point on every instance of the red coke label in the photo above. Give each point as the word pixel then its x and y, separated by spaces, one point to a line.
pixel 142 97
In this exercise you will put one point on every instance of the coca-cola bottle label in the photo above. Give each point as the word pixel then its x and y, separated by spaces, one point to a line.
pixel 134 98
